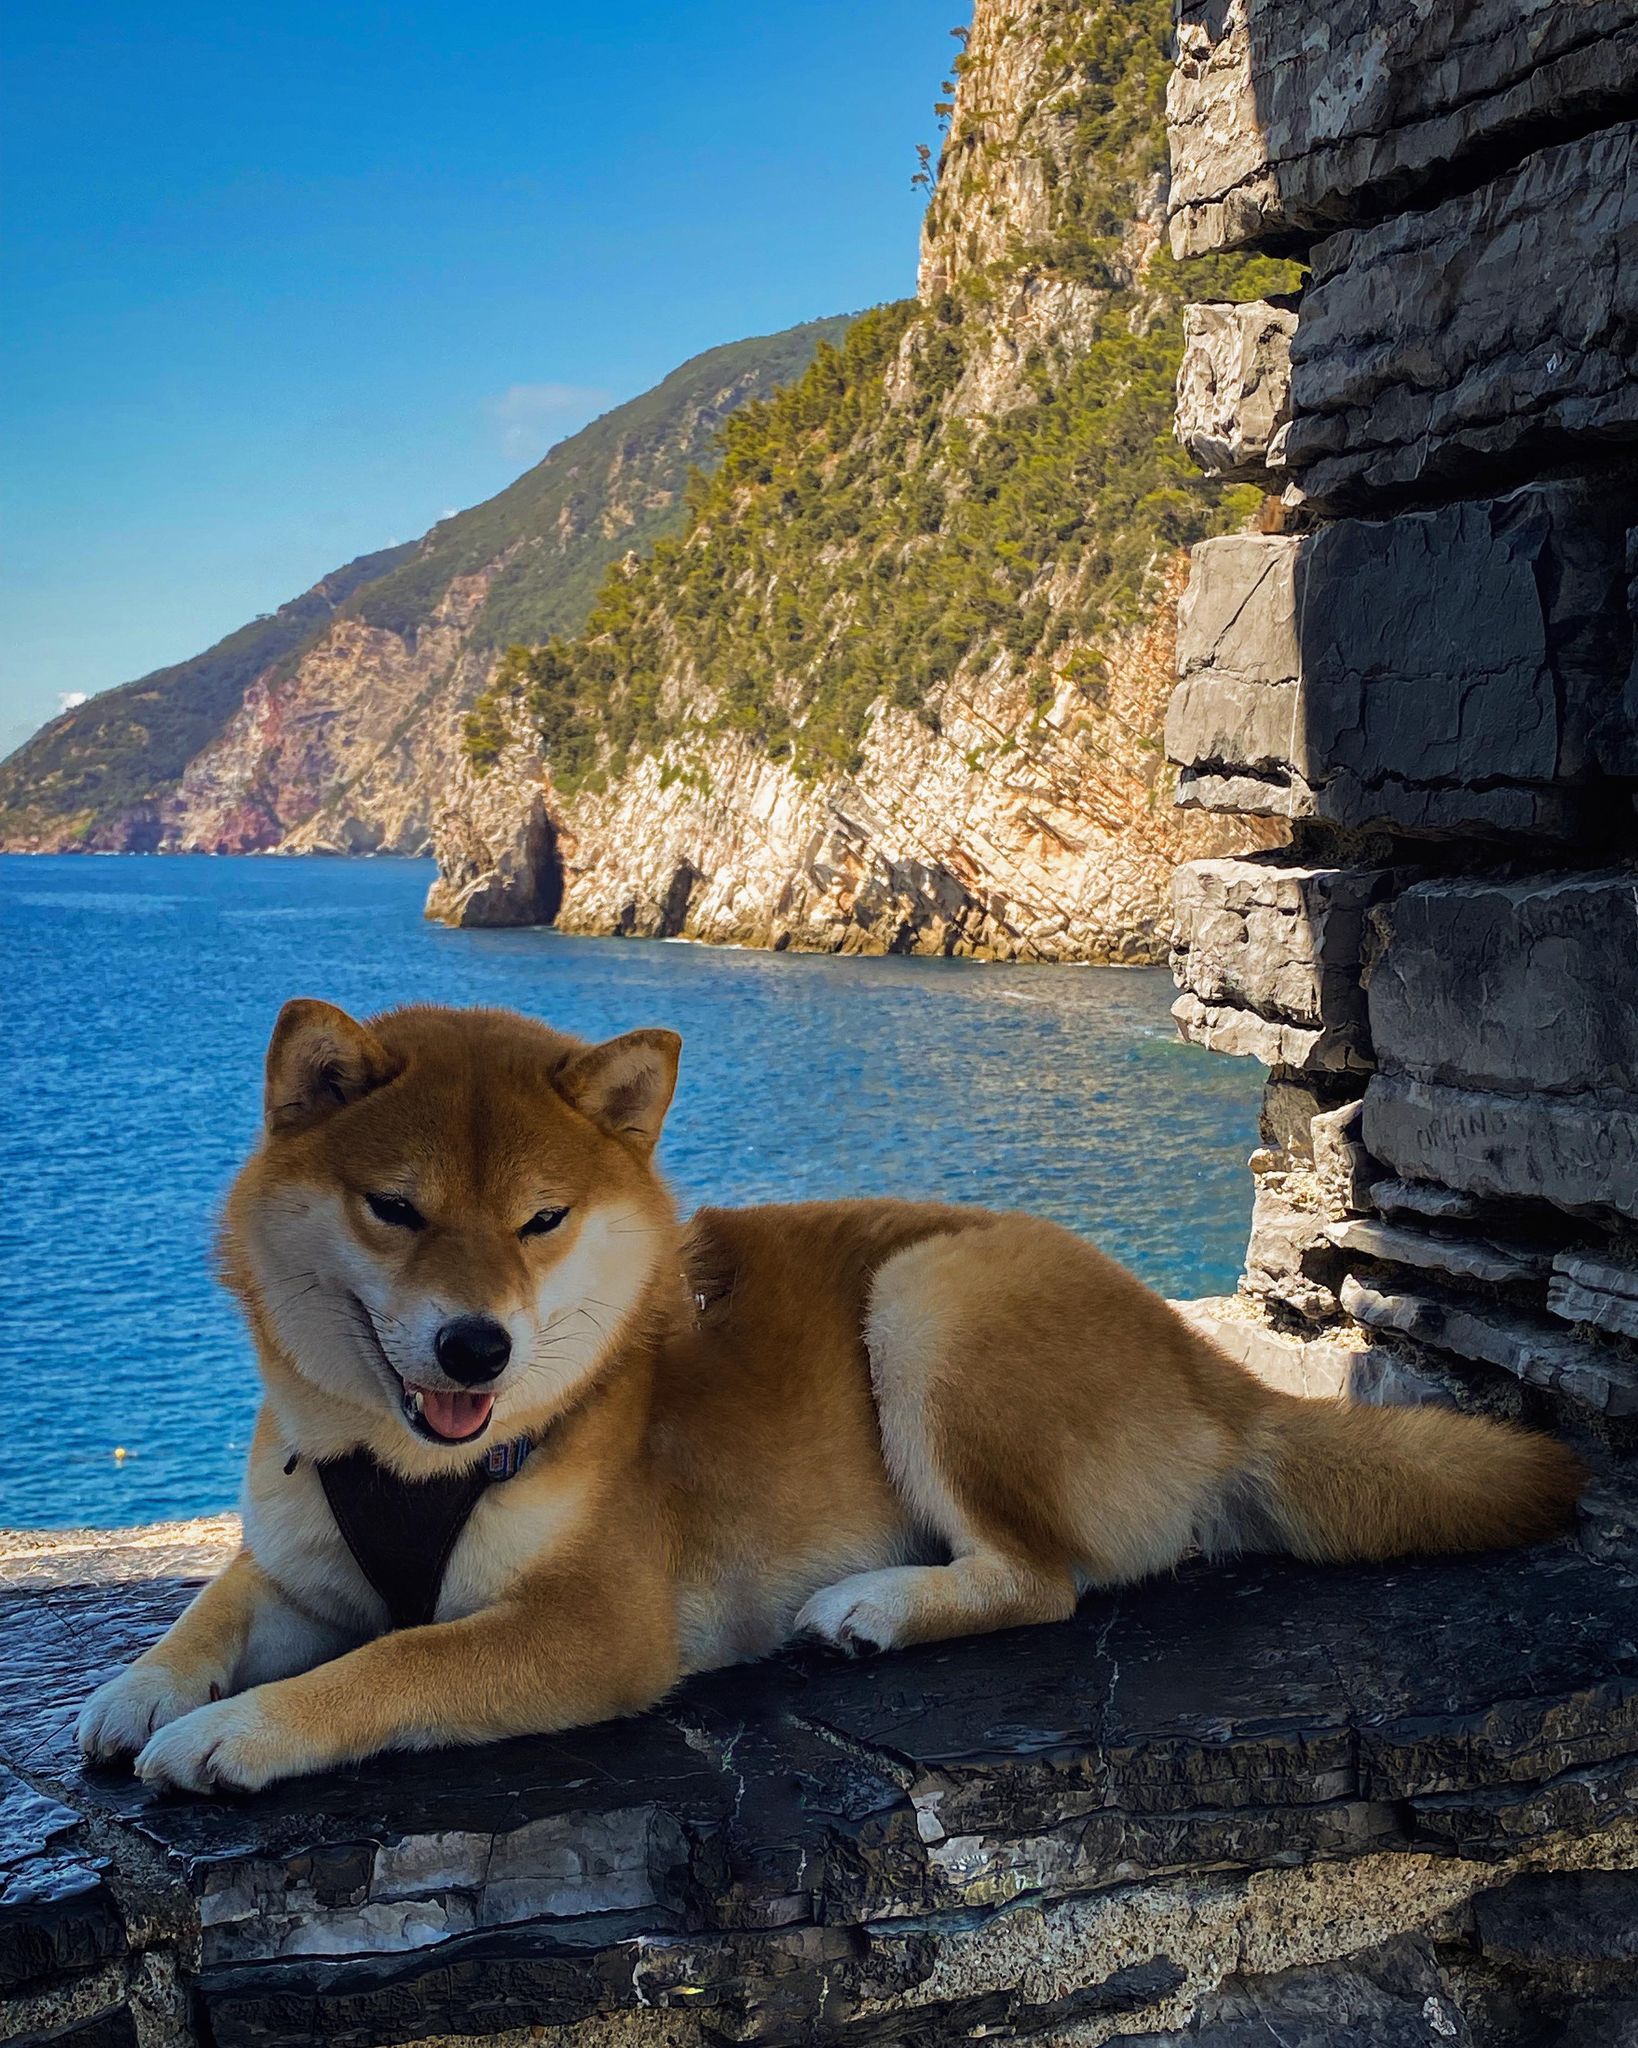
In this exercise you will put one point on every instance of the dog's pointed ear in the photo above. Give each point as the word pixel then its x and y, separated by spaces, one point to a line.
pixel 625 1084
pixel 318 1060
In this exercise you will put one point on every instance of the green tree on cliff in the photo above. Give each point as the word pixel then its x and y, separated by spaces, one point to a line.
pixel 871 530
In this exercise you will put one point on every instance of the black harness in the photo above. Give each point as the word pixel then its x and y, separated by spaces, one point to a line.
pixel 402 1532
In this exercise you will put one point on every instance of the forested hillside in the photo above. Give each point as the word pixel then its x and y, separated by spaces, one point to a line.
pixel 100 771
pixel 338 717
pixel 964 519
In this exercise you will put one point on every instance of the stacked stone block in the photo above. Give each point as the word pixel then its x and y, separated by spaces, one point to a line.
pixel 1425 663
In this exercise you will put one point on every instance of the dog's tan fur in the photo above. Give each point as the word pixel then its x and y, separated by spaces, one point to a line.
pixel 878 1422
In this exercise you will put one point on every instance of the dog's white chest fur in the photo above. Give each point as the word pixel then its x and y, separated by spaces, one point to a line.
pixel 514 1525
pixel 291 1533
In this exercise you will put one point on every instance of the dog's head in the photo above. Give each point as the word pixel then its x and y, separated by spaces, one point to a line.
pixel 452 1217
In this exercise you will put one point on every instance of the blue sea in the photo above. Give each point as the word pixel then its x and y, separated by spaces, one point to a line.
pixel 138 994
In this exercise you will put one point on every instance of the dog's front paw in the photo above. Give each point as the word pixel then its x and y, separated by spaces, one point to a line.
pixel 234 1745
pixel 119 1717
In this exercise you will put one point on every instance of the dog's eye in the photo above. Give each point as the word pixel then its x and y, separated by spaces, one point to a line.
pixel 542 1221
pixel 395 1210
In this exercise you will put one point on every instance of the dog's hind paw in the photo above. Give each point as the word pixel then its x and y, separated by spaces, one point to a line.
pixel 857 1616
pixel 119 1717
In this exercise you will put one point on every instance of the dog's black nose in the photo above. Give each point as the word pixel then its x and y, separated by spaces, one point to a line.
pixel 473 1349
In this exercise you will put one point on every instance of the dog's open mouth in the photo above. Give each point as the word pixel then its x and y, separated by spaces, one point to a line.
pixel 440 1416
pixel 447 1418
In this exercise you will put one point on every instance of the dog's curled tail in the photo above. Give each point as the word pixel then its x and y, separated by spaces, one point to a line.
pixel 1342 1480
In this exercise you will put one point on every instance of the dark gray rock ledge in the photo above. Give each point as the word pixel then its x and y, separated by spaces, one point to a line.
pixel 1384 1806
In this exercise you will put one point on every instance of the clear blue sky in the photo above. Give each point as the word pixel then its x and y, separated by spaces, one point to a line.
pixel 284 284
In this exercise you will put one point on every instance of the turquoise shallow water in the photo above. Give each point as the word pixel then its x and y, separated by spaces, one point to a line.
pixel 138 995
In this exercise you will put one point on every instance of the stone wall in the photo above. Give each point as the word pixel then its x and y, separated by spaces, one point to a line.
pixel 1426 663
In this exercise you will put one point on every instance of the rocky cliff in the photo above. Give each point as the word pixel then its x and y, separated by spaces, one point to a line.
pixel 101 776
pixel 948 836
pixel 1431 675
pixel 334 725
pixel 898 686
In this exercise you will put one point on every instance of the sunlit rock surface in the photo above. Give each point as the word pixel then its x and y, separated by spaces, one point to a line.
pixel 949 838
pixel 1234 389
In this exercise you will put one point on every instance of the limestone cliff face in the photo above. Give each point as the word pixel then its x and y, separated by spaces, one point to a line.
pixel 996 830
pixel 1048 146
pixel 1018 806
pixel 1051 189
pixel 500 852
pixel 954 836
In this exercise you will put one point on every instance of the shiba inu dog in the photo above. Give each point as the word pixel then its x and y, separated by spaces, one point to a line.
pixel 531 1451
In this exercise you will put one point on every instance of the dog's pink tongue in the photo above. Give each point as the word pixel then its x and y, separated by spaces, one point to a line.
pixel 455 1415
